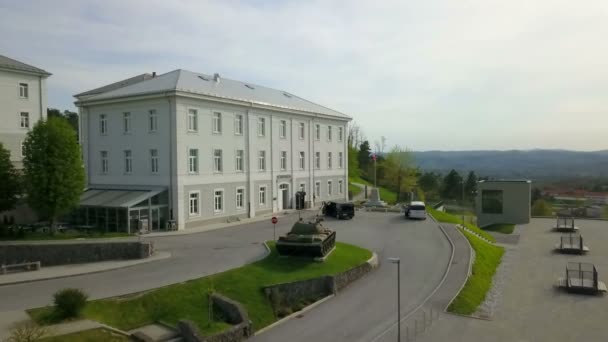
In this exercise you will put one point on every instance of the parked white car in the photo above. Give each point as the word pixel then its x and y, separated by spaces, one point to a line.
pixel 416 210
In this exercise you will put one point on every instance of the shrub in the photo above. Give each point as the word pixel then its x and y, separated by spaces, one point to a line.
pixel 26 332
pixel 69 302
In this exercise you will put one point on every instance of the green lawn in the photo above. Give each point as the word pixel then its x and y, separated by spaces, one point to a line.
pixel 93 335
pixel 189 300
pixel 487 259
pixel 358 180
pixel 355 190
pixel 388 196
pixel 449 218
pixel 67 235
pixel 500 228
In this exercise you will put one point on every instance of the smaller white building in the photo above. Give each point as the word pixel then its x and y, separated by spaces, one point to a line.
pixel 23 101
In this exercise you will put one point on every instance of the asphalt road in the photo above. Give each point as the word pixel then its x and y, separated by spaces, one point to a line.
pixel 368 307
pixel 359 313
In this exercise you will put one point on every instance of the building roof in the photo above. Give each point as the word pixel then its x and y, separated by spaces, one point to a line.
pixel 214 86
pixel 11 64
pixel 116 85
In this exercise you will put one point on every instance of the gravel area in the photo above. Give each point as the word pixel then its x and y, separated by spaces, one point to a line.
pixel 494 296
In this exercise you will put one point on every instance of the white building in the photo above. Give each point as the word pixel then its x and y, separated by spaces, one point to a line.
pixel 23 102
pixel 198 149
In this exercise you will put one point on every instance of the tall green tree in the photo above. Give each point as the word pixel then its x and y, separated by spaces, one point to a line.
pixel 364 157
pixel 470 186
pixel 451 187
pixel 9 184
pixel 536 194
pixel 71 117
pixel 429 182
pixel 399 173
pixel 353 162
pixel 53 168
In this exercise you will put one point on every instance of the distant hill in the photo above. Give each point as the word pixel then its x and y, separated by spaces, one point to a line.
pixel 531 164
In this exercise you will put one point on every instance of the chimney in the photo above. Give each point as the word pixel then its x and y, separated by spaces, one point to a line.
pixel 216 77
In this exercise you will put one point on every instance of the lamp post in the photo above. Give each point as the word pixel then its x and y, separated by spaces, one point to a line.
pixel 398 262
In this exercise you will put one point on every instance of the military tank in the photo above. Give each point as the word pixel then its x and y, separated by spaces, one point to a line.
pixel 307 239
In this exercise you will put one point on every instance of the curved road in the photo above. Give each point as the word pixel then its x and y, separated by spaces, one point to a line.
pixel 359 313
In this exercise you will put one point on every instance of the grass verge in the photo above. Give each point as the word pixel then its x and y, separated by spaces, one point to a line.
pixel 487 259
pixel 189 300
pixel 449 218
pixel 93 335
pixel 500 228
pixel 355 190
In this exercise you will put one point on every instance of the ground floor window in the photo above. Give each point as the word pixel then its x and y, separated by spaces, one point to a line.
pixel 194 203
pixel 329 188
pixel 340 188
pixel 218 201
pixel 262 196
pixel 318 189
pixel 240 198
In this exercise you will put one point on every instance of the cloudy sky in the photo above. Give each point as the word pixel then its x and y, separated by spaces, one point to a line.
pixel 426 74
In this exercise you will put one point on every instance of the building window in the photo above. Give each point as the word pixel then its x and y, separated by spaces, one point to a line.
pixel 218 201
pixel 25 120
pixel 126 122
pixel 262 160
pixel 301 130
pixel 239 160
pixel 240 198
pixel 23 149
pixel 261 127
pixel 128 161
pixel 491 201
pixel 340 160
pixel 340 134
pixel 318 189
pixel 262 196
pixel 329 160
pixel 283 129
pixel 217 160
pixel 103 124
pixel 303 187
pixel 317 160
pixel 193 160
pixel 238 124
pixel 329 133
pixel 154 160
pixel 283 160
pixel 23 90
pixel 217 122
pixel 192 120
pixel 329 188
pixel 152 121
pixel 194 203
pixel 340 187
pixel 317 132
pixel 104 161
pixel 302 161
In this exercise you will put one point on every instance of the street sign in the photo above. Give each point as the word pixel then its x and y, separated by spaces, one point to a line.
pixel 274 220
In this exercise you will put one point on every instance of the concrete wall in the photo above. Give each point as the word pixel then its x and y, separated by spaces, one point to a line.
pixel 11 106
pixel 52 254
pixel 516 197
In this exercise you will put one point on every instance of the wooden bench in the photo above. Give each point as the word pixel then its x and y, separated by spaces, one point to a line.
pixel 28 266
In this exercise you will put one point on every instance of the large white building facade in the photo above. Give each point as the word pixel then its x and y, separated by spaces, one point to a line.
pixel 23 102
pixel 192 149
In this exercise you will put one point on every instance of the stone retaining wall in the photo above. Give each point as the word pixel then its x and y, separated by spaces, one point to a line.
pixel 53 254
pixel 235 314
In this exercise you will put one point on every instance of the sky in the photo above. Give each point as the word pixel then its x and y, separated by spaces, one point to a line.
pixel 426 75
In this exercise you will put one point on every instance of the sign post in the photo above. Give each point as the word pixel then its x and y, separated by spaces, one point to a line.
pixel 274 227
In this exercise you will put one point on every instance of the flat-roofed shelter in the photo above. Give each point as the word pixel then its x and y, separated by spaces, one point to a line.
pixel 503 201
pixel 125 210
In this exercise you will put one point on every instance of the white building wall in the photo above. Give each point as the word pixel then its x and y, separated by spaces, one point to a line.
pixel 11 106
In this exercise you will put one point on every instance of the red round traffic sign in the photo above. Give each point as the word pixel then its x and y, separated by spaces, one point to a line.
pixel 274 220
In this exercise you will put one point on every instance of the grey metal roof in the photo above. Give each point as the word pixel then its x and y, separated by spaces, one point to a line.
pixel 115 198
pixel 116 85
pixel 195 83
pixel 9 63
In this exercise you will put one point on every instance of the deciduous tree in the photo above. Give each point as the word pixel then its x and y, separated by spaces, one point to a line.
pixel 451 187
pixel 9 181
pixel 470 186
pixel 53 169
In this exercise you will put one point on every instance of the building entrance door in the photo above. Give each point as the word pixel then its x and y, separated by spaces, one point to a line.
pixel 283 197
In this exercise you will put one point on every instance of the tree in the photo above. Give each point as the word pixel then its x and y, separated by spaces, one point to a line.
pixel 429 183
pixel 452 188
pixel 353 162
pixel 470 186
pixel 71 117
pixel 536 194
pixel 9 186
pixel 541 208
pixel 53 168
pixel 398 171
pixel 364 156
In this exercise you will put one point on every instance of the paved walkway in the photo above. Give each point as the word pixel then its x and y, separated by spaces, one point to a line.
pixel 361 196
pixel 76 269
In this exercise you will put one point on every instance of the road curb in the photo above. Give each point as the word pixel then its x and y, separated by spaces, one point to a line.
pixel 166 255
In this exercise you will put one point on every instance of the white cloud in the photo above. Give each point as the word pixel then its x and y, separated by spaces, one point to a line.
pixel 427 74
